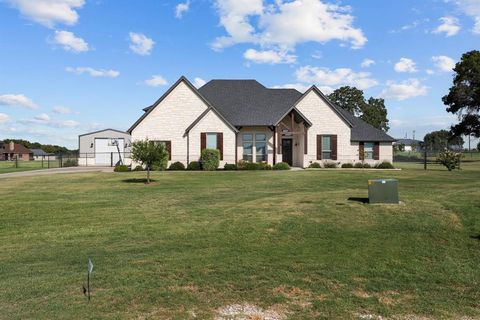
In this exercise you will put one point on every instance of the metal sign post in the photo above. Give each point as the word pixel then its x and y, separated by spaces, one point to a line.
pixel 89 271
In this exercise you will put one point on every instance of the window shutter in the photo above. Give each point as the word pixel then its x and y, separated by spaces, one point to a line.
pixel 376 151
pixel 319 147
pixel 305 141
pixel 220 144
pixel 361 151
pixel 203 141
pixel 333 144
pixel 168 145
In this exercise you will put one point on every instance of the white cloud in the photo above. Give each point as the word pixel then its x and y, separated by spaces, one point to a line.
pixel 470 8
pixel 444 63
pixel 141 44
pixel 70 42
pixel 429 71
pixel 198 82
pixel 94 72
pixel 297 86
pixel 49 12
pixel 405 65
pixel 4 118
pixel 337 77
pixel 367 63
pixel 44 119
pixel 269 56
pixel 181 8
pixel 156 81
pixel 450 26
pixel 285 24
pixel 404 90
pixel 19 100
pixel 62 110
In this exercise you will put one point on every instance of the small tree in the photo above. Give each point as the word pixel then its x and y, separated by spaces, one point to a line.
pixel 451 160
pixel 149 153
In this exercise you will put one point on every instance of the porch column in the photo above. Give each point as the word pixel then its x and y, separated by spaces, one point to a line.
pixel 274 145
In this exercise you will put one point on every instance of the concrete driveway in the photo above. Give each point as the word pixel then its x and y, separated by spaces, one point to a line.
pixel 33 173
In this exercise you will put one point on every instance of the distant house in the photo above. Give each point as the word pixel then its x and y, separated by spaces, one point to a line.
pixel 39 154
pixel 409 144
pixel 13 151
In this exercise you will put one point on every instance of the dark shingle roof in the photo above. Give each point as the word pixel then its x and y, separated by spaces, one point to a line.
pixel 39 152
pixel 247 102
pixel 408 142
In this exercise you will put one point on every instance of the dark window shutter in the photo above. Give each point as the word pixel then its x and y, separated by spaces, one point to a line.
pixel 319 147
pixel 361 151
pixel 305 142
pixel 376 151
pixel 333 144
pixel 220 144
pixel 203 141
pixel 168 145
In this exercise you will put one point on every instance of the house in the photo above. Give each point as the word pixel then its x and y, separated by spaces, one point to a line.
pixel 104 148
pixel 14 151
pixel 409 144
pixel 244 120
pixel 39 154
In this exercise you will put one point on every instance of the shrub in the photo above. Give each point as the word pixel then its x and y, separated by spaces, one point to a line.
pixel 71 163
pixel 450 159
pixel 330 165
pixel 177 166
pixel 138 168
pixel 241 164
pixel 367 166
pixel 210 159
pixel 315 165
pixel 264 166
pixel 358 165
pixel 121 168
pixel 385 165
pixel 194 166
pixel 251 166
pixel 230 166
pixel 281 166
pixel 347 165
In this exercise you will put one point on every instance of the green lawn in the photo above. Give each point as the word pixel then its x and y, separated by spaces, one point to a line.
pixel 290 243
pixel 12 166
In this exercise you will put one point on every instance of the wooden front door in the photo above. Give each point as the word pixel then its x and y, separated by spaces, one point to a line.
pixel 287 151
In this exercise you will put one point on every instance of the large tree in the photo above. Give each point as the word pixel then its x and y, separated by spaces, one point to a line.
pixel 441 140
pixel 352 99
pixel 463 98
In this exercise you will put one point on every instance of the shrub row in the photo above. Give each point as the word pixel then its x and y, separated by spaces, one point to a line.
pixel 358 165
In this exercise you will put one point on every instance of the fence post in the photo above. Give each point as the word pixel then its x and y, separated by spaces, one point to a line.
pixel 43 157
pixel 425 159
pixel 111 159
pixel 16 162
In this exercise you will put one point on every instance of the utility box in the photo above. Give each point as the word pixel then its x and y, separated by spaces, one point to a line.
pixel 383 191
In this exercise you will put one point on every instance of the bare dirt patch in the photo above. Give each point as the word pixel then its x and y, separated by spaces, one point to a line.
pixel 248 312
pixel 296 295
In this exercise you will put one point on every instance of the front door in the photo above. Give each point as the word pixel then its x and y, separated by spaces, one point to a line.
pixel 287 151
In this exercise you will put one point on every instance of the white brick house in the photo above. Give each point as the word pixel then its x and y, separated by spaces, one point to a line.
pixel 247 121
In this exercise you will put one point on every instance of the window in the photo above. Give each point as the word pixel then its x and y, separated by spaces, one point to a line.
pixel 255 142
pixel 211 141
pixel 368 150
pixel 326 147
pixel 260 147
pixel 248 147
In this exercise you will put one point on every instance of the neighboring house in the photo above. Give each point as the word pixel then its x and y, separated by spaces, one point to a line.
pixel 245 120
pixel 14 151
pixel 105 147
pixel 39 154
pixel 409 144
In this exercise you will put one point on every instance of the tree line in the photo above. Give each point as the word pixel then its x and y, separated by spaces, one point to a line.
pixel 48 148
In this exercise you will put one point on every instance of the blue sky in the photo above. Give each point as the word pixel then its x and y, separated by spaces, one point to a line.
pixel 73 66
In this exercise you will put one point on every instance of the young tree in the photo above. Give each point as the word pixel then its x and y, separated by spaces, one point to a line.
pixel 463 98
pixel 149 153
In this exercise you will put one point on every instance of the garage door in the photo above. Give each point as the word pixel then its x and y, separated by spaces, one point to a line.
pixel 106 150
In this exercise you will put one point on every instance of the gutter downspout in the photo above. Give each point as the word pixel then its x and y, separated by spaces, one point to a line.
pixel 188 148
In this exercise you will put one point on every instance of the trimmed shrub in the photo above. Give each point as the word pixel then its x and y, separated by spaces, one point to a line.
pixel 385 165
pixel 210 159
pixel 315 165
pixel 194 166
pixel 264 166
pixel 347 165
pixel 70 163
pixel 251 166
pixel 121 168
pixel 177 166
pixel 230 167
pixel 241 164
pixel 358 165
pixel 330 165
pixel 367 166
pixel 138 168
pixel 281 166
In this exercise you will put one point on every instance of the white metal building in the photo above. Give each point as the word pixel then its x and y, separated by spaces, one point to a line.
pixel 106 147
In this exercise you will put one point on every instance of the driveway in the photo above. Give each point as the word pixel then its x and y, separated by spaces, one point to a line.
pixel 55 170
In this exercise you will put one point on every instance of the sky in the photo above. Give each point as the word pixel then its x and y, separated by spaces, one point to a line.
pixel 73 66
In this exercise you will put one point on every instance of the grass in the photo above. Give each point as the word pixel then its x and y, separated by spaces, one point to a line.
pixel 13 166
pixel 193 242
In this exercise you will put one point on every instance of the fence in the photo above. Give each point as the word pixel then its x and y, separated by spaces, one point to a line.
pixel 428 158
